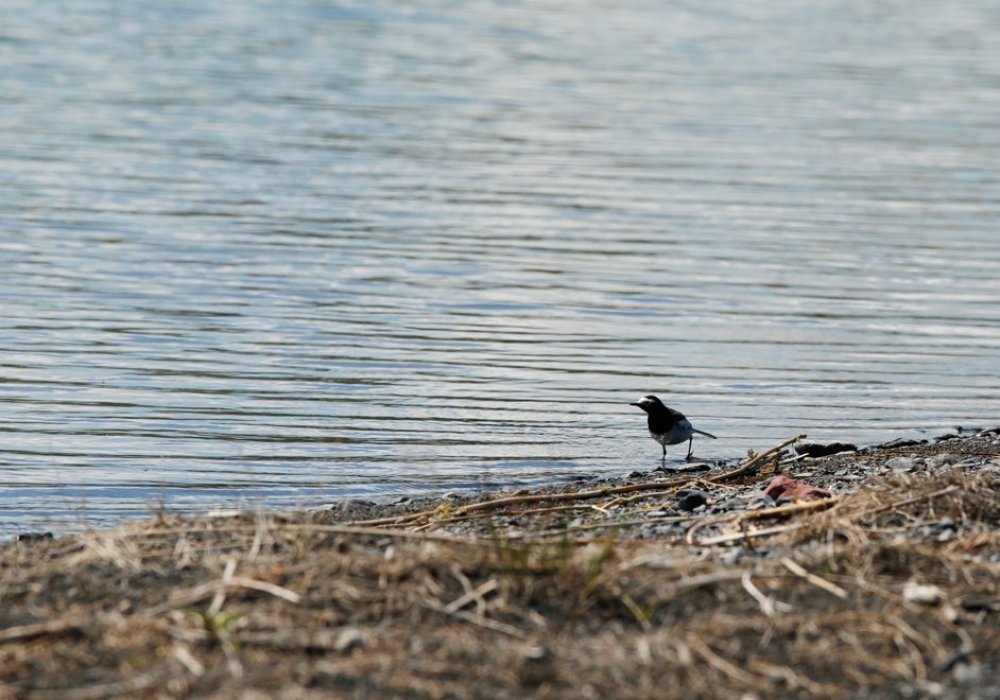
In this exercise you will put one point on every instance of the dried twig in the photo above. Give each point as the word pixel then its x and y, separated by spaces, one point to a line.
pixel 40 629
pixel 725 667
pixel 768 605
pixel 470 596
pixel 815 580
pixel 212 588
pixel 790 509
pixel 128 687
pixel 907 502
pixel 749 534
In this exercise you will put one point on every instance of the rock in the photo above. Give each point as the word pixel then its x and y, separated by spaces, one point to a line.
pixel 694 467
pixel 689 499
pixel 33 537
pixel 350 503
pixel 901 464
pixel 940 460
pixel 901 442
pixel 814 449
pixel 973 604
pixel 785 487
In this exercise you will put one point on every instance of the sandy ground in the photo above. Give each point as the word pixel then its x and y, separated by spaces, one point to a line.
pixel 871 573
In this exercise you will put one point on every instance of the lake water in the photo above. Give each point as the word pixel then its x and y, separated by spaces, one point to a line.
pixel 281 253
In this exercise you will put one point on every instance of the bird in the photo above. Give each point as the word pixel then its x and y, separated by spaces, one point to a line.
pixel 666 425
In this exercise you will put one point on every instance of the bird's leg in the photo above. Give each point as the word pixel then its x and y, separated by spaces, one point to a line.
pixel 663 459
pixel 690 442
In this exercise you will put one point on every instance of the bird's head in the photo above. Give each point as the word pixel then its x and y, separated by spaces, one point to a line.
pixel 647 403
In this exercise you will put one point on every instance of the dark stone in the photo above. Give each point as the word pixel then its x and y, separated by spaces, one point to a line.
pixel 690 499
pixel 352 503
pixel 34 537
pixel 696 467
pixel 901 442
pixel 814 449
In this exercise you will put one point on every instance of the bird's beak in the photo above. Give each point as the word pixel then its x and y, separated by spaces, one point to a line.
pixel 634 403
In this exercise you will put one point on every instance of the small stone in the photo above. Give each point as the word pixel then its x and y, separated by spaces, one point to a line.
pixel 536 652
pixel 349 639
pixel 968 673
pixel 732 555
pixel 922 594
pixel 946 535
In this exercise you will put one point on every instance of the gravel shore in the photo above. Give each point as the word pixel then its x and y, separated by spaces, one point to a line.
pixel 789 573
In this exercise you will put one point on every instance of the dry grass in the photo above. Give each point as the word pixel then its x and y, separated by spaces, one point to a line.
pixel 813 605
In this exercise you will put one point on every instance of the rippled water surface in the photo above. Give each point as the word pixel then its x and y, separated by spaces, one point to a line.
pixel 283 253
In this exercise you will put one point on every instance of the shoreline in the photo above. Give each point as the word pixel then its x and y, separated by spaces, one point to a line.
pixel 78 521
pixel 864 572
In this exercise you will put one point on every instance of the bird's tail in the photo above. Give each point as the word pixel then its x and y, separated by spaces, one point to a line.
pixel 702 432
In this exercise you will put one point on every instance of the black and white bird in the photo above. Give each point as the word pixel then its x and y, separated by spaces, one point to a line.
pixel 667 426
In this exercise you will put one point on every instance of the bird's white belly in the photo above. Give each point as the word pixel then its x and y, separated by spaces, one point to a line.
pixel 679 433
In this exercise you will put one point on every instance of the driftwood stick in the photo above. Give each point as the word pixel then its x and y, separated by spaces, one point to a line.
pixel 752 463
pixel 790 509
